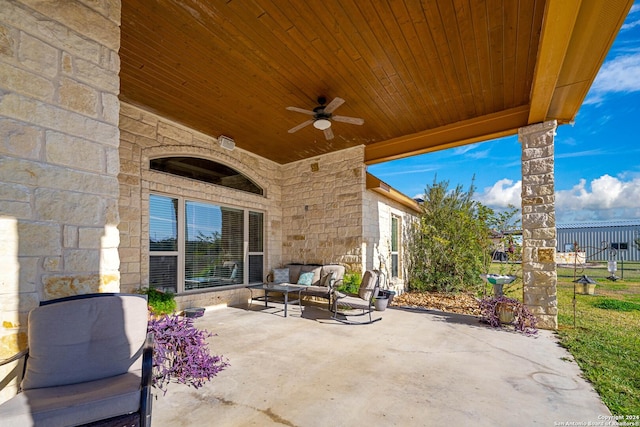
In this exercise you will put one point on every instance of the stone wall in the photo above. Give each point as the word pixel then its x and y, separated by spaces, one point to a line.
pixel 313 208
pixel 58 155
pixel 145 136
pixel 539 223
pixel 322 202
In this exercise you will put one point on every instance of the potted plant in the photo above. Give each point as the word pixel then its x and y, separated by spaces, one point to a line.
pixel 501 310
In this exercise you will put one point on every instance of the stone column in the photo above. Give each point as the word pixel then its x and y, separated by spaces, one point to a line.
pixel 539 223
pixel 59 161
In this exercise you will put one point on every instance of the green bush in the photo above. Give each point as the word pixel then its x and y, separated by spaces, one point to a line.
pixel 160 302
pixel 447 243
pixel 350 283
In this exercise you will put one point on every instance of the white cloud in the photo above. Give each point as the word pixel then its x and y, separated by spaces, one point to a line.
pixel 604 193
pixel 630 25
pixel 502 194
pixel 464 149
pixel 587 153
pixel 604 198
pixel 617 75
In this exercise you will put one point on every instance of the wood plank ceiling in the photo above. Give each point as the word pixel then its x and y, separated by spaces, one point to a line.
pixel 423 75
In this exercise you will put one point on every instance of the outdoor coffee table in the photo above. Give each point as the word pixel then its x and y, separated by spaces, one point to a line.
pixel 282 288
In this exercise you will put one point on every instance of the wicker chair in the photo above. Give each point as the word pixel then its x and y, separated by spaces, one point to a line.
pixel 362 301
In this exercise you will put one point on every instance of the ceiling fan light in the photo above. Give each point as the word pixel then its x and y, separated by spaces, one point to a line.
pixel 322 124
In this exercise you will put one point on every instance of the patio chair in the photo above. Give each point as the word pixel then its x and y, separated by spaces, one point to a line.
pixel 363 300
pixel 89 362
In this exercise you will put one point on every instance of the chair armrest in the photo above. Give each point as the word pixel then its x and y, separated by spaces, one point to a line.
pixel 147 360
pixel 334 284
pixel 15 357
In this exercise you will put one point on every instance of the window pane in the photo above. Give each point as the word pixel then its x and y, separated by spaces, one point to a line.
pixel 207 171
pixel 163 273
pixel 255 232
pixel 394 234
pixel 394 265
pixel 213 245
pixel 255 269
pixel 163 223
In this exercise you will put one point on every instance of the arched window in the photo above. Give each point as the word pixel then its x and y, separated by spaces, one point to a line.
pixel 206 171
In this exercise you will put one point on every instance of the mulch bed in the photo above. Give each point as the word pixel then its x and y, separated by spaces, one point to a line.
pixel 462 303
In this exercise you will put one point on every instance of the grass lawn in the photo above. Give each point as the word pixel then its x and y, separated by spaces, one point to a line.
pixel 605 340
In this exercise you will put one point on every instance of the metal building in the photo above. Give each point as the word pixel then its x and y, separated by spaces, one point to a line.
pixel 602 241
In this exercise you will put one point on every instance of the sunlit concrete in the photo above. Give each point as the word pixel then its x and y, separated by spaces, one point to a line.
pixel 413 368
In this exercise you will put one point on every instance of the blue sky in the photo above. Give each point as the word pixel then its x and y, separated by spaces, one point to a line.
pixel 597 166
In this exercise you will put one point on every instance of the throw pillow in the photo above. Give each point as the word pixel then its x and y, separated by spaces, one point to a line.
pixel 280 275
pixel 306 279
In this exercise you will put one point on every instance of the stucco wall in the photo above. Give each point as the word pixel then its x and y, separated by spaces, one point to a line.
pixel 58 155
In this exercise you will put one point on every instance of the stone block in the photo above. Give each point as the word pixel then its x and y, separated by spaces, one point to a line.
pixel 69 207
pixel 547 255
pixel 29 110
pixel 59 286
pixel 547 321
pixel 26 82
pixel 12 343
pixel 52 264
pixel 100 78
pixel 38 56
pixel 78 97
pixel 174 132
pixel 81 260
pixel 76 15
pixel 110 106
pixel 38 239
pixel 74 152
pixel 8 41
pixel 20 140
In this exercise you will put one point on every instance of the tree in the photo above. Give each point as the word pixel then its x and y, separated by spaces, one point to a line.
pixel 447 244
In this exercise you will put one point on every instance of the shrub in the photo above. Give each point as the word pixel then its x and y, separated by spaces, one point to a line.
pixel 181 353
pixel 350 283
pixel 159 302
pixel 445 245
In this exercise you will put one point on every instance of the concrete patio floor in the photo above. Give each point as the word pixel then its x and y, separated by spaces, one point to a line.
pixel 413 368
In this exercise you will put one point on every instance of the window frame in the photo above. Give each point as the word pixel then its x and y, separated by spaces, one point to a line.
pixel 181 243
pixel 395 225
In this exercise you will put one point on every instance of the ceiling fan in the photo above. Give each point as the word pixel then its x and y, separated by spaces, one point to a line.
pixel 323 115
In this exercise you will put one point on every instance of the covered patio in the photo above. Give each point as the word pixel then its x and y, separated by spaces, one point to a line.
pixel 92 92
pixel 414 368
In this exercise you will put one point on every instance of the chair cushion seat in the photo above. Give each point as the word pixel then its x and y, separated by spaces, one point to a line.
pixel 352 302
pixel 74 404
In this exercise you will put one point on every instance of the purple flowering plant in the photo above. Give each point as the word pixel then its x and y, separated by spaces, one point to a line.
pixel 181 353
pixel 523 320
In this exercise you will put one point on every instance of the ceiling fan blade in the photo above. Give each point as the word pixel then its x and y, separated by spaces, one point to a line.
pixel 328 133
pixel 301 110
pixel 331 107
pixel 351 120
pixel 300 126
